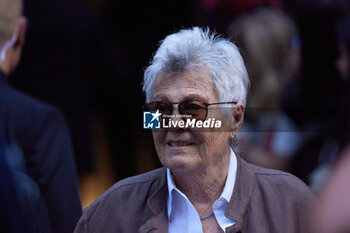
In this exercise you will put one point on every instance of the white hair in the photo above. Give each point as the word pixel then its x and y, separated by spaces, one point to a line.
pixel 199 47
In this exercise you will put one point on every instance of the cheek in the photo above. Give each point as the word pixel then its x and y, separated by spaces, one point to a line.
pixel 159 139
pixel 210 142
pixel 215 142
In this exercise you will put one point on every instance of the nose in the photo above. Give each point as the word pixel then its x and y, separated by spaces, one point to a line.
pixel 176 118
pixel 175 109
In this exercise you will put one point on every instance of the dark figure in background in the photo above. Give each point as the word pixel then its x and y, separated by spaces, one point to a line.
pixel 332 212
pixel 58 41
pixel 343 65
pixel 269 43
pixel 219 14
pixel 37 144
pixel 80 68
pixel 319 107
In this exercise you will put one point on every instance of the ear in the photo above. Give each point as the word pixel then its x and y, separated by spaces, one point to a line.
pixel 237 116
pixel 22 28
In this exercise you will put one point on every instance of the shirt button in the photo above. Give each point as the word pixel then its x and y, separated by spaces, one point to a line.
pixel 220 203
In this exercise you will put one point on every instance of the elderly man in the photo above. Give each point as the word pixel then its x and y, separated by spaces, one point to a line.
pixel 204 186
pixel 37 144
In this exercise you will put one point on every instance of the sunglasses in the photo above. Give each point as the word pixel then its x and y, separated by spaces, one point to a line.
pixel 190 109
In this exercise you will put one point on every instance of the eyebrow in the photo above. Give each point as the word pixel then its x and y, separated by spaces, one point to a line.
pixel 159 97
pixel 195 97
pixel 188 97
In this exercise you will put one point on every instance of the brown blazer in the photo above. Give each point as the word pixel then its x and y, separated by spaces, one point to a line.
pixel 263 201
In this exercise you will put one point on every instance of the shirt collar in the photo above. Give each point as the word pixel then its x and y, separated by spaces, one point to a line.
pixel 171 187
pixel 228 188
pixel 231 178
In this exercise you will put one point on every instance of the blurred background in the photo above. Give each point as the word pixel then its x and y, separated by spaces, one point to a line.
pixel 87 58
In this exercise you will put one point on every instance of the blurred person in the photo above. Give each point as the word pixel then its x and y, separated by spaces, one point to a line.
pixel 343 60
pixel 79 78
pixel 270 47
pixel 332 212
pixel 219 14
pixel 204 186
pixel 320 106
pixel 60 43
pixel 42 163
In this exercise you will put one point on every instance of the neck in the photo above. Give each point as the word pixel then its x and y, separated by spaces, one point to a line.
pixel 5 66
pixel 204 186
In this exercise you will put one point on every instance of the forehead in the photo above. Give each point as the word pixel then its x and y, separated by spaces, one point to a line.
pixel 195 82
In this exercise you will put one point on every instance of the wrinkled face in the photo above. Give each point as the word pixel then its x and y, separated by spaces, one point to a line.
pixel 188 149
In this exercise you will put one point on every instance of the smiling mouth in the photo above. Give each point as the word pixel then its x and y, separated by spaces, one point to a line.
pixel 179 144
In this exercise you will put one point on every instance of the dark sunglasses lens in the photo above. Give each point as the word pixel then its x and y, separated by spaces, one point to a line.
pixel 195 109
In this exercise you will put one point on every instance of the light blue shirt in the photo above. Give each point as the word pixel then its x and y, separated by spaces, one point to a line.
pixel 182 215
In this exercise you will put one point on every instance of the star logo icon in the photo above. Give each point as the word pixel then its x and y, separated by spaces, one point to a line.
pixel 151 120
pixel 156 115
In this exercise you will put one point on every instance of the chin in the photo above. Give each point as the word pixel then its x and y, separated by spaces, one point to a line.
pixel 181 164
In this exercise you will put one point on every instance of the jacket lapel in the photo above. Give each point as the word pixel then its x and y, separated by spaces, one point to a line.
pixel 155 224
pixel 158 222
pixel 243 189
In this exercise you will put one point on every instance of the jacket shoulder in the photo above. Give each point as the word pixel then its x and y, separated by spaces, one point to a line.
pixel 18 103
pixel 281 199
pixel 26 117
pixel 129 196
pixel 130 183
pixel 282 185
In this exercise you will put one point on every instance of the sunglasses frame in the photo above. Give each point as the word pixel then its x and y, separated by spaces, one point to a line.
pixel 178 103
